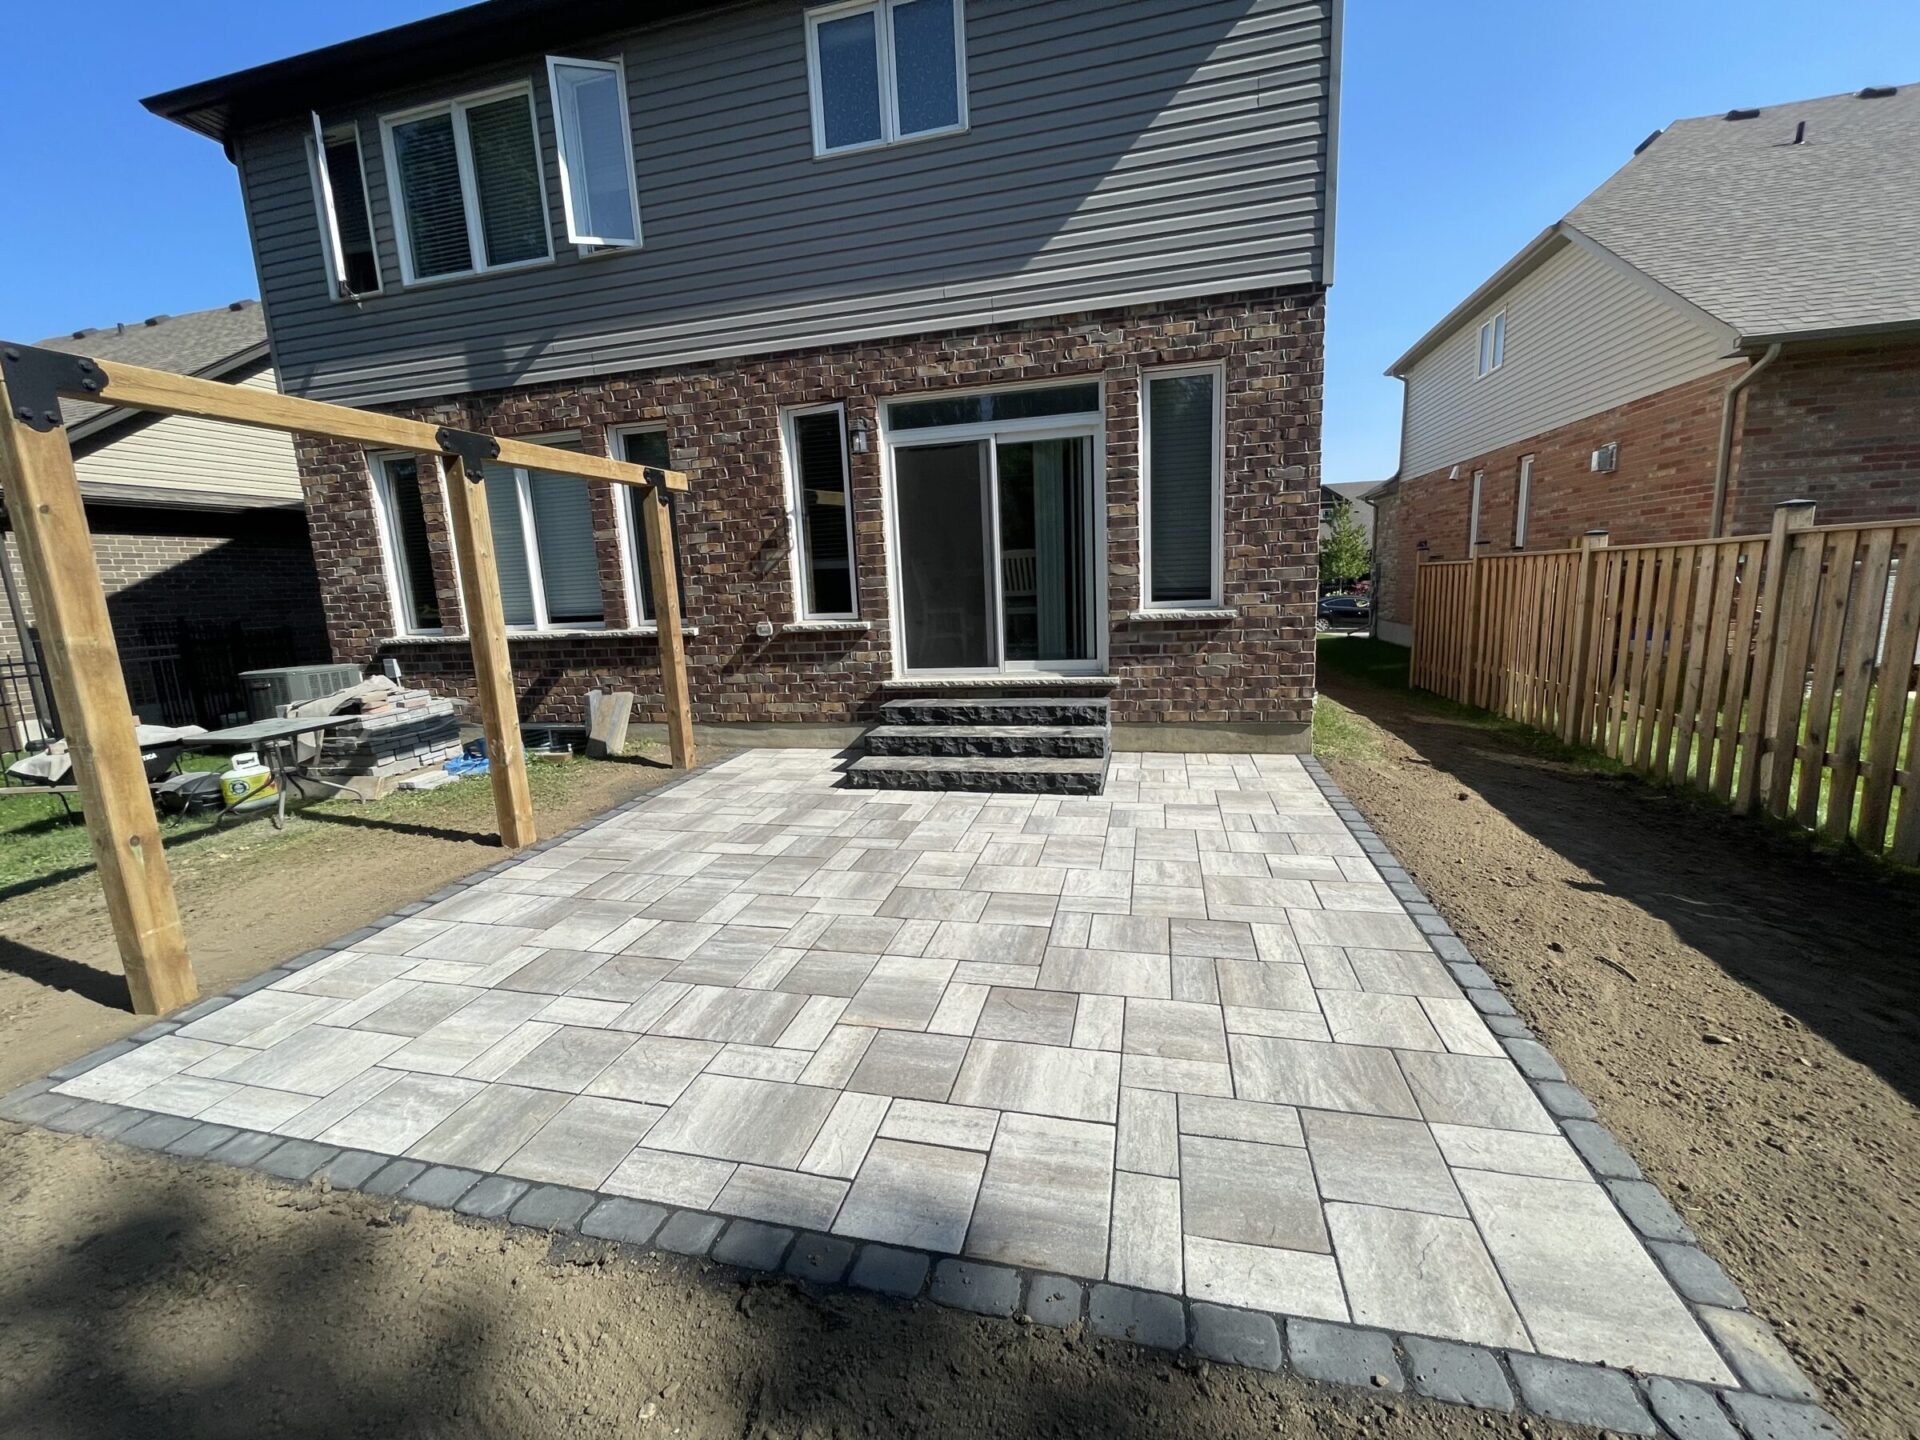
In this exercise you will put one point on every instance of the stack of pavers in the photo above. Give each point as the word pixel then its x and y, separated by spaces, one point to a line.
pixel 406 731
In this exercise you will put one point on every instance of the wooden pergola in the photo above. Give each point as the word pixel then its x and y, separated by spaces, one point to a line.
pixel 70 610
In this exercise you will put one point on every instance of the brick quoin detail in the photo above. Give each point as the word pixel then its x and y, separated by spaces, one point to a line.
pixel 723 423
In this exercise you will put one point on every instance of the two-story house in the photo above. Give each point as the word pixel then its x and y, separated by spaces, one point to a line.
pixel 1730 321
pixel 989 332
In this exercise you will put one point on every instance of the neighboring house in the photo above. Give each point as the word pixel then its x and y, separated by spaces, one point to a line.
pixel 989 332
pixel 1731 321
pixel 1354 492
pixel 198 528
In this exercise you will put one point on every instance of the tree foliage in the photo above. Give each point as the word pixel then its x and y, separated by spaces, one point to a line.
pixel 1345 555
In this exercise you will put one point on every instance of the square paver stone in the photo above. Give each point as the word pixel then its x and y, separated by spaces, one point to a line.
pixel 911 1194
pixel 906 1063
pixel 1044 1201
pixel 1373 1159
pixel 1429 1274
pixel 1320 1076
pixel 583 1142
pixel 762 1122
pixel 1249 1193
pixel 1044 1017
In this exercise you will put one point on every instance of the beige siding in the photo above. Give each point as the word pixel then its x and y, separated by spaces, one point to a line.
pixel 179 453
pixel 1581 338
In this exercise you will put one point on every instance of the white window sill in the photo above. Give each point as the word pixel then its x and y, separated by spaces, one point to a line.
pixel 645 632
pixel 1162 615
pixel 824 627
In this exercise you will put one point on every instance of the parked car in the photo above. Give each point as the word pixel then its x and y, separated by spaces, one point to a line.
pixel 1350 612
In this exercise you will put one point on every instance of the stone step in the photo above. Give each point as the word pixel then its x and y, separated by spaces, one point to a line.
pixel 1002 773
pixel 1059 742
pixel 996 710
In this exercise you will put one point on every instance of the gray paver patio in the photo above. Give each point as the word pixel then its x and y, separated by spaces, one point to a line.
pixel 1179 1037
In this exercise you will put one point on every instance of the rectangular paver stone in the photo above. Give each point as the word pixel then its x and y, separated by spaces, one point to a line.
pixel 983 1289
pixel 1761 1360
pixel 1055 1300
pixel 633 1222
pixel 1581 1394
pixel 492 1198
pixel 1343 1355
pixel 753 1246
pixel 1765 1418
pixel 440 1185
pixel 1697 1275
pixel 156 1132
pixel 298 1159
pixel 394 1177
pixel 202 1138
pixel 1648 1212
pixel 689 1232
pixel 1237 1337
pixel 1143 1316
pixel 889 1271
pixel 347 1170
pixel 820 1258
pixel 552 1207
pixel 1688 1411
pixel 1458 1374
pixel 1600 1150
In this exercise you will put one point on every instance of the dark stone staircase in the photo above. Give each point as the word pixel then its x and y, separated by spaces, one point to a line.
pixel 1022 746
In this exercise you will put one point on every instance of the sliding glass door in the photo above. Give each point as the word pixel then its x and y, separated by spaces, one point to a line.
pixel 998 539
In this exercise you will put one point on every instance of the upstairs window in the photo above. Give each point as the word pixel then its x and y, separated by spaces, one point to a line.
pixel 886 70
pixel 595 138
pixel 1182 488
pixel 1493 344
pixel 470 193
pixel 822 513
pixel 346 225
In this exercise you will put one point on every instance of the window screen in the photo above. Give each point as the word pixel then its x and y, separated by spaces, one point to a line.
pixel 925 75
pixel 1180 477
pixel 590 115
pixel 820 460
pixel 849 80
pixel 506 171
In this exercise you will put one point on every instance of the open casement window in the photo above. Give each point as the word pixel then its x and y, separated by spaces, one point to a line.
pixel 648 447
pixel 403 540
pixel 346 225
pixel 543 547
pixel 595 138
pixel 1493 344
pixel 1522 493
pixel 469 192
pixel 886 70
pixel 822 513
pixel 1473 512
pixel 1182 487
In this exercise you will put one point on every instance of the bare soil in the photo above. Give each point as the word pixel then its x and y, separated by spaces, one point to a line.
pixel 1740 1008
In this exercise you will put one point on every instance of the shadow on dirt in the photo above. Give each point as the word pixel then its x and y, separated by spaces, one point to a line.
pixel 56 972
pixel 1826 937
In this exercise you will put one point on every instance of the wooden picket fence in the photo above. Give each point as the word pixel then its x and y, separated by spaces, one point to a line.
pixel 1771 671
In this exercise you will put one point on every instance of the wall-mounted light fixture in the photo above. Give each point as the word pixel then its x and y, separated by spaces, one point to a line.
pixel 860 435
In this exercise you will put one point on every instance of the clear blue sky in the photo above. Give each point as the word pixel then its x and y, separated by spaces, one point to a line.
pixel 1467 127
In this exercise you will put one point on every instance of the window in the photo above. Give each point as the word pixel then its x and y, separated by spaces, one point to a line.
pixel 340 195
pixel 470 192
pixel 403 536
pixel 1473 514
pixel 1522 491
pixel 822 513
pixel 1493 344
pixel 1180 442
pixel 543 546
pixel 994 407
pixel 595 137
pixel 648 446
pixel 886 70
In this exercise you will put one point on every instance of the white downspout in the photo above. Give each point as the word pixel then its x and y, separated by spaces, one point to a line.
pixel 1723 459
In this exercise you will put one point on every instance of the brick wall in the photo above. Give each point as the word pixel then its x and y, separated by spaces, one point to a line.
pixel 1661 490
pixel 1840 427
pixel 723 419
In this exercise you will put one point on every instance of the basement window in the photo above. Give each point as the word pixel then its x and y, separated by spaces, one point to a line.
pixel 404 544
pixel 1181 527
pixel 822 513
pixel 647 445
pixel 470 195
pixel 1493 344
pixel 543 546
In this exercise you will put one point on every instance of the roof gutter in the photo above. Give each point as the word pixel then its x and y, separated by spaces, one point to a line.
pixel 1723 458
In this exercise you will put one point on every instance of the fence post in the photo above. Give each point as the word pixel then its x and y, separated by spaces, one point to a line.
pixel 1789 517
pixel 1477 680
pixel 1413 646
pixel 1576 715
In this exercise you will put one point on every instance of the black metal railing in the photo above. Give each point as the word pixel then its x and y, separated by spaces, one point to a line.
pixel 27 716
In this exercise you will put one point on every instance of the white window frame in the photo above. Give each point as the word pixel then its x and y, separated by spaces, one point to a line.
pixel 1473 514
pixel 591 243
pixel 392 553
pixel 1492 352
pixel 324 201
pixel 638 601
pixel 801 563
pixel 1216 599
pixel 530 544
pixel 1523 492
pixel 469 186
pixel 889 95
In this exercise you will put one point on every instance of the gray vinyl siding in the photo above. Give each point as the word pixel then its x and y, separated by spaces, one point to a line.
pixel 1581 337
pixel 1120 151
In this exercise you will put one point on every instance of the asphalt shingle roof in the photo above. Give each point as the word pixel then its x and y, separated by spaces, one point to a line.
pixel 1772 237
pixel 185 344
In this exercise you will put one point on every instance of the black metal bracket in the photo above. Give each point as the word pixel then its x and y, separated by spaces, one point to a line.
pixel 36 379
pixel 469 445
pixel 655 478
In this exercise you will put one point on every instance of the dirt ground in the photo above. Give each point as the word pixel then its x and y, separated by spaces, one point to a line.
pixel 142 1297
pixel 1741 1010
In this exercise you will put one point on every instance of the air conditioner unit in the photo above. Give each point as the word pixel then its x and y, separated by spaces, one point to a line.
pixel 1606 459
pixel 269 692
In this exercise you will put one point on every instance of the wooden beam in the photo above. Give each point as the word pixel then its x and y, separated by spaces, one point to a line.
pixel 673 645
pixel 492 666
pixel 137 388
pixel 70 611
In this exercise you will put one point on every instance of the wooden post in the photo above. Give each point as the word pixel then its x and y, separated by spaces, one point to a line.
pixel 70 610
pixel 492 665
pixel 1789 517
pixel 666 614
pixel 1576 725
pixel 1414 649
